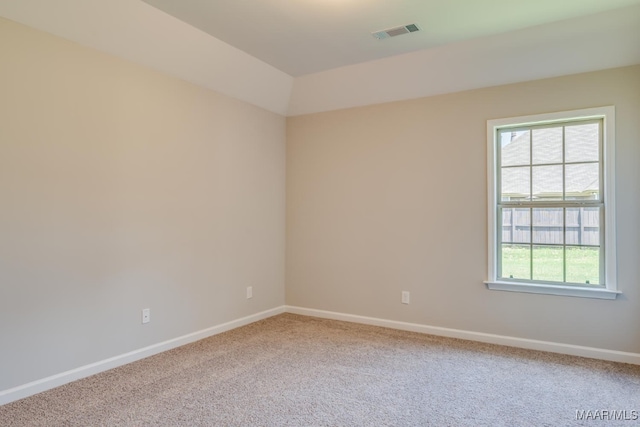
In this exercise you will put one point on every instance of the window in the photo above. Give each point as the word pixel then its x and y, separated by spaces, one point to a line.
pixel 551 203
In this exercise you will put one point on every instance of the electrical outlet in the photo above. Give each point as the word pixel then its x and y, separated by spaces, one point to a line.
pixel 146 315
pixel 249 292
pixel 405 297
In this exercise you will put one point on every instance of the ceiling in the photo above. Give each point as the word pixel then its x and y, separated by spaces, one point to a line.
pixel 301 37
pixel 295 57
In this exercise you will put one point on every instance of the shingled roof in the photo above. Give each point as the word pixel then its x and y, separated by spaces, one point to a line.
pixel 581 157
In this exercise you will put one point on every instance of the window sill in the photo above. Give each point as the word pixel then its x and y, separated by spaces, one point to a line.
pixel 570 291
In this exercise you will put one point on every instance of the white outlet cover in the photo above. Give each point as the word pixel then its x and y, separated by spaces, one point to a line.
pixel 146 315
pixel 249 292
pixel 405 297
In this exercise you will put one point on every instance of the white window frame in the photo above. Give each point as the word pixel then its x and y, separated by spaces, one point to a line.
pixel 608 246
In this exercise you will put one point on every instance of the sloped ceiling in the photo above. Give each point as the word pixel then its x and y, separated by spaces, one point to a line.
pixel 595 42
pixel 133 30
pixel 306 37
pixel 293 57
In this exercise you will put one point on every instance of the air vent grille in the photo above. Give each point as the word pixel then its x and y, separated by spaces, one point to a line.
pixel 395 31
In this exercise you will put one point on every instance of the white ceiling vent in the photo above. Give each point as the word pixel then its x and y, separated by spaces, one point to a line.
pixel 395 31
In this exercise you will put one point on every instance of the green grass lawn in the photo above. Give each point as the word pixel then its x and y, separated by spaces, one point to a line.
pixel 582 264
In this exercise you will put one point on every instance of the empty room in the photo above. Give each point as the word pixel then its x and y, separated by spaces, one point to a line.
pixel 319 213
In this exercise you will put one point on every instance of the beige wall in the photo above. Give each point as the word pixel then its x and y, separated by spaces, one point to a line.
pixel 392 197
pixel 121 189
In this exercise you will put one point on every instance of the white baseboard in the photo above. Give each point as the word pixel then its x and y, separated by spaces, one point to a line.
pixel 570 349
pixel 38 386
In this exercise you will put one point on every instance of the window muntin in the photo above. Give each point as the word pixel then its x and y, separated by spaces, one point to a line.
pixel 550 182
pixel 541 193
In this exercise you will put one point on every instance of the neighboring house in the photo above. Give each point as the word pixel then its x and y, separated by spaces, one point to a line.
pixel 542 179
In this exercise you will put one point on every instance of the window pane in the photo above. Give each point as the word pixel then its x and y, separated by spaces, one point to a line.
pixel 548 263
pixel 583 265
pixel 547 145
pixel 515 149
pixel 582 181
pixel 583 226
pixel 547 225
pixel 516 261
pixel 516 183
pixel 547 182
pixel 581 143
pixel 516 225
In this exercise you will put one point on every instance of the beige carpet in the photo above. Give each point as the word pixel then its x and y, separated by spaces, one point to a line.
pixel 293 370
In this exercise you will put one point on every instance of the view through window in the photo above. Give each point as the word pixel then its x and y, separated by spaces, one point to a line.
pixel 551 203
pixel 550 206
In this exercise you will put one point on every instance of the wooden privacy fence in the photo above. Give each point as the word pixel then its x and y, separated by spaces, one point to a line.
pixel 580 225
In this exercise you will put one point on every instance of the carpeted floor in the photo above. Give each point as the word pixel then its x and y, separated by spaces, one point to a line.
pixel 293 370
